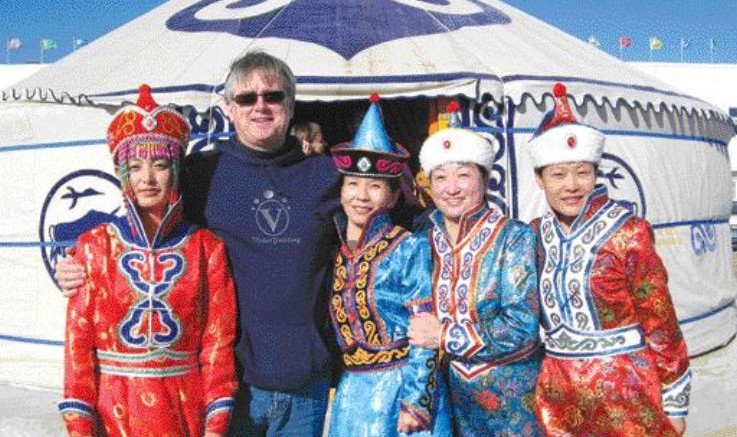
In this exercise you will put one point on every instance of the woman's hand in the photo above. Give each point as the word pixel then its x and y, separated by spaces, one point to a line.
pixel 424 331
pixel 679 424
pixel 406 423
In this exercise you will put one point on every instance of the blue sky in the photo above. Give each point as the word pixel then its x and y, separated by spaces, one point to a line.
pixel 607 20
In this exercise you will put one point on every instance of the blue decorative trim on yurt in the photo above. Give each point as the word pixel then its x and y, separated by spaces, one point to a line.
pixel 573 79
pixel 78 143
pixel 31 340
pixel 690 223
pixel 86 143
pixel 706 314
pixel 703 238
pixel 327 80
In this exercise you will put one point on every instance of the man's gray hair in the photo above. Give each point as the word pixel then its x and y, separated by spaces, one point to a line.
pixel 258 60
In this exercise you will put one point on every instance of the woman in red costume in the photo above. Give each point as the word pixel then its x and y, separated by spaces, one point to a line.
pixel 149 338
pixel 615 361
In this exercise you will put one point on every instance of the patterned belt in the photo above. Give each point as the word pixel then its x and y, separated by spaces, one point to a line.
pixel 158 363
pixel 568 343
pixel 368 359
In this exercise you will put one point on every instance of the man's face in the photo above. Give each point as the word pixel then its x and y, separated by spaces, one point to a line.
pixel 457 188
pixel 261 124
pixel 567 186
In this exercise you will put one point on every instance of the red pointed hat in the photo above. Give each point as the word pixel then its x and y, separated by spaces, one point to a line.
pixel 148 130
pixel 561 138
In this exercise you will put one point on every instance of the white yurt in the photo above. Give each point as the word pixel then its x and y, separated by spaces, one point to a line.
pixel 666 151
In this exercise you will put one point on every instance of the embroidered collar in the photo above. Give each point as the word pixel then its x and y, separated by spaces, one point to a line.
pixel 378 224
pixel 468 220
pixel 171 230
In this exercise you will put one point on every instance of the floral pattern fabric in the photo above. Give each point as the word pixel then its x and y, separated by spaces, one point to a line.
pixel 149 339
pixel 616 362
pixel 377 286
pixel 486 299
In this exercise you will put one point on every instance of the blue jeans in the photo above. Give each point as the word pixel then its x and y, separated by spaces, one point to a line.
pixel 268 413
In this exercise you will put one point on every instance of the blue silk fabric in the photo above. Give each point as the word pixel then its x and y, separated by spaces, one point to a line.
pixel 377 285
pixel 487 302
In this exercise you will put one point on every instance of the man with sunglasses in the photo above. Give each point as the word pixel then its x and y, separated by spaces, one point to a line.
pixel 272 207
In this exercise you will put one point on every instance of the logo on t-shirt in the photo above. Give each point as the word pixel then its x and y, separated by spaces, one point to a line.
pixel 272 213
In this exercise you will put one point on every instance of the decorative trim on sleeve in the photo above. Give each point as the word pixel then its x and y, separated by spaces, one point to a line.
pixel 419 306
pixel 72 405
pixel 676 396
pixel 219 405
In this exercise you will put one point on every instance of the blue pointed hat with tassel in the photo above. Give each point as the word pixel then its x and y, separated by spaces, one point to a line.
pixel 371 153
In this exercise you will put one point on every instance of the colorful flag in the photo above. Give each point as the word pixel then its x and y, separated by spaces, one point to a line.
pixel 713 45
pixel 684 45
pixel 625 42
pixel 655 43
pixel 47 44
pixel 14 44
pixel 594 42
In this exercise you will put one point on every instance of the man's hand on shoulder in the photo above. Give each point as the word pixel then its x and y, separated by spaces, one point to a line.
pixel 70 275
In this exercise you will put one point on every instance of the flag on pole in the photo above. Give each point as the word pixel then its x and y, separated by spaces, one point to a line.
pixel 78 42
pixel 655 43
pixel 47 44
pixel 14 44
pixel 624 42
pixel 594 42
pixel 684 45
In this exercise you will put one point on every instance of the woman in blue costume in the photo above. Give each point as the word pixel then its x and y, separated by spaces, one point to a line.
pixel 485 298
pixel 382 276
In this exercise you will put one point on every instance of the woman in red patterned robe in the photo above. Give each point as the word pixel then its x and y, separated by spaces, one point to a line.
pixel 149 338
pixel 616 362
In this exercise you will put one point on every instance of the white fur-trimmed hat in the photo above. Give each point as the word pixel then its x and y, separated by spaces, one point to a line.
pixel 560 138
pixel 456 145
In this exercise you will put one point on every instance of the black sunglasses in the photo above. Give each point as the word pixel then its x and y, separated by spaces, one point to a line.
pixel 248 99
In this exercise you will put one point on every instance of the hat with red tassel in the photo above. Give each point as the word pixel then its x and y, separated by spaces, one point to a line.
pixel 147 130
pixel 561 138
pixel 456 144
pixel 371 153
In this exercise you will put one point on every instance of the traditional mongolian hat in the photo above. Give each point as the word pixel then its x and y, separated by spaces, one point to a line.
pixel 456 144
pixel 371 153
pixel 147 130
pixel 561 138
